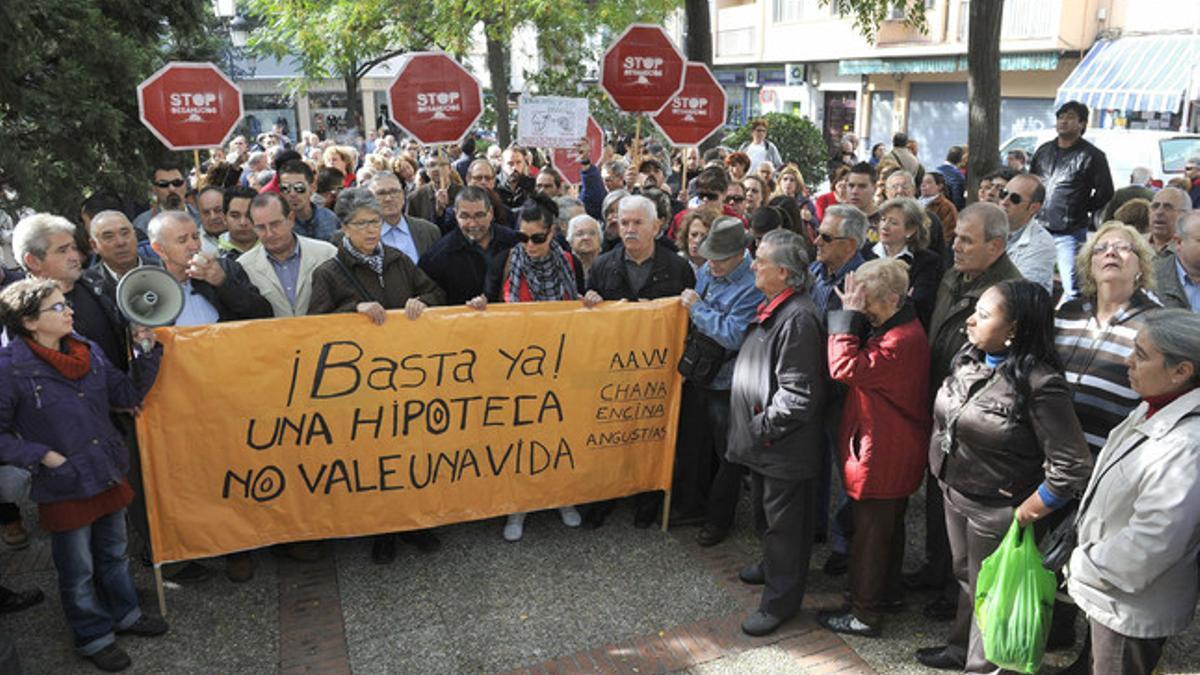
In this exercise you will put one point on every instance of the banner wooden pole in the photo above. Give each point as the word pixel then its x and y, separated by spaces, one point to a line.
pixel 443 179
pixel 666 509
pixel 196 157
pixel 683 181
pixel 637 138
pixel 158 586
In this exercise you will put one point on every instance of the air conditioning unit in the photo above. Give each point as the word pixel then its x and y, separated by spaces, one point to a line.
pixel 794 74
pixel 751 78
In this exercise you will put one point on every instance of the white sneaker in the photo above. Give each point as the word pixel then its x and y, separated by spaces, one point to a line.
pixel 570 516
pixel 515 527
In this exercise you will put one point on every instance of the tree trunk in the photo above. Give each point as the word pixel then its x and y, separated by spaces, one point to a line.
pixel 497 61
pixel 983 91
pixel 698 46
pixel 354 111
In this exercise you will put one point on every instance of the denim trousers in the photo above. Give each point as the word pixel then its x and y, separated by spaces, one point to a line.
pixel 1067 246
pixel 94 581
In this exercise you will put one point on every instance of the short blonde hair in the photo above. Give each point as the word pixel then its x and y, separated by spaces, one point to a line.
pixel 348 154
pixel 882 277
pixel 1083 261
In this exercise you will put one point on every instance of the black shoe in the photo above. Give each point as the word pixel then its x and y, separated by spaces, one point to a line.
pixel 147 626
pixel 752 574
pixel 425 540
pixel 111 659
pixel 887 606
pixel 185 572
pixel 594 518
pixel 383 549
pixel 711 535
pixel 846 622
pixel 15 601
pixel 836 564
pixel 761 623
pixel 941 609
pixel 919 581
pixel 239 567
pixel 1060 638
pixel 644 516
pixel 939 658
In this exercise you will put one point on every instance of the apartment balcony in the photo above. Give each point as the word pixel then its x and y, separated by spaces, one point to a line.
pixel 737 30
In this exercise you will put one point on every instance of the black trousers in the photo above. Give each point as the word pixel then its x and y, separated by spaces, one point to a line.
pixel 785 514
pixel 726 484
pixel 1116 654
pixel 695 464
pixel 9 513
pixel 876 556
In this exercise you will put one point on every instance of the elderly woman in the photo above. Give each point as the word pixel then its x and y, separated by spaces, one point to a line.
pixel 370 278
pixel 777 400
pixel 56 390
pixel 1133 571
pixel 878 349
pixel 766 171
pixel 583 233
pixel 609 209
pixel 405 168
pixel 1005 435
pixel 538 270
pixel 756 192
pixel 693 228
pixel 720 308
pixel 904 235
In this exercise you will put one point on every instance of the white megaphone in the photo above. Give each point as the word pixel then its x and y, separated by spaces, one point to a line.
pixel 149 296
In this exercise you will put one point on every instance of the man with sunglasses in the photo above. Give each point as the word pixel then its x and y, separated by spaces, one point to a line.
pixel 1030 247
pixel 296 185
pixel 170 189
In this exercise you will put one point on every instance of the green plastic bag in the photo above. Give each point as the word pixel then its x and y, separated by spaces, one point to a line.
pixel 1014 601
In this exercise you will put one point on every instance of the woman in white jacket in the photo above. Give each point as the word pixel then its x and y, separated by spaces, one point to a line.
pixel 1134 571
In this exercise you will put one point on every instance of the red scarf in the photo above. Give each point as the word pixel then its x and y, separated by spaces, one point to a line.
pixel 766 309
pixel 73 364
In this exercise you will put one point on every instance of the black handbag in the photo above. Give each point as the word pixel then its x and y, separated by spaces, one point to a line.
pixel 702 357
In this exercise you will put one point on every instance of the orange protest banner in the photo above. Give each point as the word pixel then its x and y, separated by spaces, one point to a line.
pixel 265 432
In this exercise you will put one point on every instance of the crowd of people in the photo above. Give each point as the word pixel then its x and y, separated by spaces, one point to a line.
pixel 844 348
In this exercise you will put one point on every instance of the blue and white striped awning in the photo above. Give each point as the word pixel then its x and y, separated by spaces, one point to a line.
pixel 1148 73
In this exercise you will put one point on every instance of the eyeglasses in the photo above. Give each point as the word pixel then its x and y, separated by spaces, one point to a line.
pixel 1118 247
pixel 59 307
pixel 178 182
pixel 1191 168
pixel 391 192
pixel 734 199
pixel 364 224
pixel 828 238
pixel 708 196
pixel 539 238
pixel 1010 196
pixel 298 188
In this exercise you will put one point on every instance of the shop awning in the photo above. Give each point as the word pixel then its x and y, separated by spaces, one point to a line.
pixel 943 64
pixel 1147 73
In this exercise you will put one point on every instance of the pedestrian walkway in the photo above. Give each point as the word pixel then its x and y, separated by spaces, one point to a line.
pixel 615 600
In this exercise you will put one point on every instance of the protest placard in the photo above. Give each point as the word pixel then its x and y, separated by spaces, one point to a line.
pixel 551 121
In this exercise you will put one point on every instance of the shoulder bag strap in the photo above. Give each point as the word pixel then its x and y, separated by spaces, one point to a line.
pixel 362 291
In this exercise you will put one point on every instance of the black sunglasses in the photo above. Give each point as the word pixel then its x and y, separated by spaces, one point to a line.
pixel 1010 196
pixel 708 196
pixel 539 238
pixel 734 199
pixel 828 238
pixel 178 182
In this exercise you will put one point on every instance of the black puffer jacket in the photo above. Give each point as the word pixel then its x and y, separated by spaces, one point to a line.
pixel 1077 182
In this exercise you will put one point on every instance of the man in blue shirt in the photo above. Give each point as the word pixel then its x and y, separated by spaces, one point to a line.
pixel 297 183
pixel 1178 273
pixel 410 234
pixel 956 182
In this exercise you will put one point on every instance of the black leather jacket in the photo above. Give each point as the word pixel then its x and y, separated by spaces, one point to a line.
pixel 1077 182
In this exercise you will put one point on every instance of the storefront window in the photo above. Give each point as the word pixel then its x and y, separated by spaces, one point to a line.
pixel 264 111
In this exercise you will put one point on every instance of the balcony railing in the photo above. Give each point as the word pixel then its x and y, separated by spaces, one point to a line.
pixel 1023 19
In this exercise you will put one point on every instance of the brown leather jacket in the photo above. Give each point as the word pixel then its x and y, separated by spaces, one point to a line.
pixel 998 457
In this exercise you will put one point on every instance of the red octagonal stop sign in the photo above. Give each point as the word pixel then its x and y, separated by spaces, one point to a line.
pixel 565 161
pixel 189 105
pixel 435 99
pixel 642 70
pixel 697 111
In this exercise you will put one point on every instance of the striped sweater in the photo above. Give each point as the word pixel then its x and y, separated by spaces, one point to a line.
pixel 1093 358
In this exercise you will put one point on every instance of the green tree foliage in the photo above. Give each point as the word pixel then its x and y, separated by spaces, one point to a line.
pixel 68 104
pixel 799 142
pixel 868 14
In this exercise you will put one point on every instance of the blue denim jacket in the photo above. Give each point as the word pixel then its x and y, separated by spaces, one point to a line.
pixel 728 306
pixel 40 410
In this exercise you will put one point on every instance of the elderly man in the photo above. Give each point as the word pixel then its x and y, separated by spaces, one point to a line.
pixel 721 307
pixel 980 262
pixel 840 238
pixel 1178 273
pixel 412 235
pixel 169 187
pixel 640 267
pixel 469 260
pixel 282 267
pixel 239 236
pixel 296 185
pixel 1165 211
pixel 211 205
pixel 1030 247
pixel 1191 171
pixel 115 243
pixel 1078 184
pixel 776 429
pixel 614 174
pixel 1138 188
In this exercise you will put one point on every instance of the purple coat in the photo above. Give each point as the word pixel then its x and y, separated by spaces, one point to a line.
pixel 40 410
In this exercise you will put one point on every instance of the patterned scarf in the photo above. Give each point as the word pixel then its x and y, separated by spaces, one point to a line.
pixel 549 277
pixel 73 361
pixel 374 260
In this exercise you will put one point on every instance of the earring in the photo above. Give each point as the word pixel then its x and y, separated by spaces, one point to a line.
pixel 1008 342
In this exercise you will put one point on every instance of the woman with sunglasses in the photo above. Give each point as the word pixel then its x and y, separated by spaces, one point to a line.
pixel 538 270
pixel 56 390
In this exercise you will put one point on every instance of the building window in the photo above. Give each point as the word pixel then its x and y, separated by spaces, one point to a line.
pixel 796 10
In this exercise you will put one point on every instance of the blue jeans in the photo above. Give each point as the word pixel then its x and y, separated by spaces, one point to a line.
pixel 1067 246
pixel 94 582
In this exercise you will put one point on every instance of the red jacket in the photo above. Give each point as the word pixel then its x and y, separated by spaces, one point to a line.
pixel 884 434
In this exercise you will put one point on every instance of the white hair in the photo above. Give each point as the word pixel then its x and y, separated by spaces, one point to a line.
pixel 32 235
pixel 579 220
pixel 639 202
pixel 155 227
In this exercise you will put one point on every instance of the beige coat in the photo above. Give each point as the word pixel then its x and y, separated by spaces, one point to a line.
pixel 262 274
